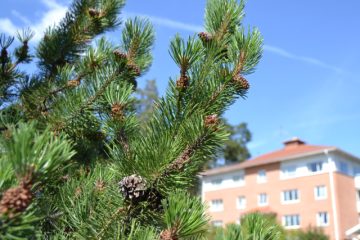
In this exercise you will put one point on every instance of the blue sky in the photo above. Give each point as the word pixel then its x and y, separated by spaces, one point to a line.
pixel 307 83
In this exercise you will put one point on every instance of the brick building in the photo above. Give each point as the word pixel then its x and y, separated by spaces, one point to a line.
pixel 302 184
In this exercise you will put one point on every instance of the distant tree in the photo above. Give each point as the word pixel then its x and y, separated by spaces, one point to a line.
pixel 147 97
pixel 235 149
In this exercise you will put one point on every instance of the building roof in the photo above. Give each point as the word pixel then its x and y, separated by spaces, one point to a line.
pixel 293 148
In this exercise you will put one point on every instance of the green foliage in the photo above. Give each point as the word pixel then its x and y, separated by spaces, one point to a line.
pixel 185 215
pixel 308 234
pixel 253 226
pixel 76 160
pixel 41 153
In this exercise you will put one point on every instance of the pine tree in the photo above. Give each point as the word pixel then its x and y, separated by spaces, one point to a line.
pixel 75 161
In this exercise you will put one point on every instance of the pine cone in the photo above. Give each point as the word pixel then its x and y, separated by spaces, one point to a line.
pixel 120 55
pixel 133 187
pixel 117 111
pixel 134 69
pixel 93 12
pixel 182 82
pixel 211 121
pixel 168 234
pixel 16 199
pixel 241 82
pixel 205 37
pixel 73 83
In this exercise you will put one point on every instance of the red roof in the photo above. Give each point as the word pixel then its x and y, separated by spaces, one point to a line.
pixel 293 148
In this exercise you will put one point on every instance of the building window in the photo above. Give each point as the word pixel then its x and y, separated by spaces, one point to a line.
pixel 322 219
pixel 261 178
pixel 238 178
pixel 241 202
pixel 320 192
pixel 216 181
pixel 290 195
pixel 344 168
pixel 262 199
pixel 217 223
pixel 358 195
pixel 356 171
pixel 315 167
pixel 289 171
pixel 216 205
pixel 291 221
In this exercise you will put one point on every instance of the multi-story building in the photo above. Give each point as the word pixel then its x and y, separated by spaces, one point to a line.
pixel 304 185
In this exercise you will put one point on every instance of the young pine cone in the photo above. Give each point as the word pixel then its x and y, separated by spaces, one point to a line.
pixel 211 121
pixel 117 111
pixel 182 82
pixel 93 12
pixel 205 37
pixel 120 55
pixel 168 234
pixel 241 82
pixel 73 83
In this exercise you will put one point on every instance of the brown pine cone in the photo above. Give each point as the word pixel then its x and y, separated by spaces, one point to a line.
pixel 133 187
pixel 133 68
pixel 16 199
pixel 182 82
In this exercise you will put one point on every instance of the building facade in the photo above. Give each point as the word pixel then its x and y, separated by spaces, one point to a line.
pixel 304 185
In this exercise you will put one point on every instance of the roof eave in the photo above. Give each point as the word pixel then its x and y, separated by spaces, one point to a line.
pixel 239 166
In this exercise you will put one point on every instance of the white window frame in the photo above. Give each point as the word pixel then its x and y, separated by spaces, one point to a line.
pixel 320 197
pixel 259 199
pixel 238 205
pixel 217 223
pixel 284 218
pixel 216 207
pixel 261 177
pixel 320 218
pixel 283 194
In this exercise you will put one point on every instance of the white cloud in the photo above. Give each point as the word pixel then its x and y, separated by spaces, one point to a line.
pixel 6 26
pixel 166 22
pixel 55 12
pixel 309 60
